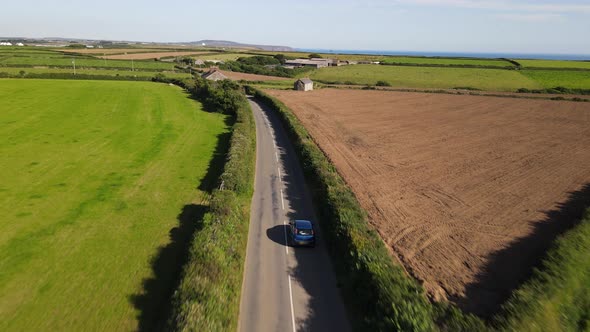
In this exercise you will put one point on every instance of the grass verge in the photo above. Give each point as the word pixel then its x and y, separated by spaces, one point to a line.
pixel 557 296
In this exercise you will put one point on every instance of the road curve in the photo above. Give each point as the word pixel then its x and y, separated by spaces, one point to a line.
pixel 284 288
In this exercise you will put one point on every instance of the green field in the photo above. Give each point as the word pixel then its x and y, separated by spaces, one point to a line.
pixel 565 78
pixel 554 64
pixel 448 61
pixel 52 60
pixel 110 72
pixel 222 56
pixel 97 178
pixel 427 77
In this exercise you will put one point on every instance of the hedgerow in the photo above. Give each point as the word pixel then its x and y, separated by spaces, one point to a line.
pixel 208 295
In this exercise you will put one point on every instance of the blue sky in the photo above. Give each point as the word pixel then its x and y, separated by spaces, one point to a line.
pixel 516 26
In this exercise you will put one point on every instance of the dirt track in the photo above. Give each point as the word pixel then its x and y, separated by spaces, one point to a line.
pixel 466 190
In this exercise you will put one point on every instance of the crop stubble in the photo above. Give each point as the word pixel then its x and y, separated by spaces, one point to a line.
pixel 453 182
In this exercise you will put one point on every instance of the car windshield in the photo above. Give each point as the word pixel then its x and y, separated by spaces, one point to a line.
pixel 304 231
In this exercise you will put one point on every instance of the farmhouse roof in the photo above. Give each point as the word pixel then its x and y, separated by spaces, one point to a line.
pixel 214 75
pixel 305 80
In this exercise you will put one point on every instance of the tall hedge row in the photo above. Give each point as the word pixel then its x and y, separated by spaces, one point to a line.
pixel 208 296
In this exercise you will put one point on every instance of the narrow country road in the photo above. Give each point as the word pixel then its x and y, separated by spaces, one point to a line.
pixel 285 288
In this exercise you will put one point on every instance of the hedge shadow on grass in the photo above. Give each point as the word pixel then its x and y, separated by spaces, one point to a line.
pixel 507 269
pixel 154 301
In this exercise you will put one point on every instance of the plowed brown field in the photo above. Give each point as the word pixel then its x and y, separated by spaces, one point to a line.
pixel 233 75
pixel 467 191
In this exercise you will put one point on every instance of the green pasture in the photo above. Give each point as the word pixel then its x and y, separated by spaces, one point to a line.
pixel 560 64
pixel 427 77
pixel 101 183
pixel 448 61
pixel 90 71
pixel 66 61
pixel 565 78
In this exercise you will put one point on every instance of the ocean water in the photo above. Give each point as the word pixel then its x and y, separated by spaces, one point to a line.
pixel 455 54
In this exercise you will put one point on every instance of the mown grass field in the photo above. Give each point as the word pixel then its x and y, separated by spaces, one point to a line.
pixel 554 64
pixel 564 78
pixel 91 71
pixel 66 61
pixel 100 181
pixel 427 77
pixel 448 61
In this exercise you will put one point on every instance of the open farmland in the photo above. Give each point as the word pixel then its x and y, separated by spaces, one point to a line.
pixel 102 182
pixel 427 77
pixel 561 64
pixel 448 61
pixel 152 55
pixel 233 75
pixel 90 71
pixel 467 191
pixel 565 78
pixel 101 51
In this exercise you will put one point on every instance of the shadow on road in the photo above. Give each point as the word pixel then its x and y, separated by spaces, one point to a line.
pixel 507 269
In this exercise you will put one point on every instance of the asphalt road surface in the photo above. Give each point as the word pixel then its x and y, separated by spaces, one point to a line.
pixel 285 288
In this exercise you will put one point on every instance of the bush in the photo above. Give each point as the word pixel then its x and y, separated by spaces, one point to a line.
pixel 383 83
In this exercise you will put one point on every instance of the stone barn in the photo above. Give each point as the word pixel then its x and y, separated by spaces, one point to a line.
pixel 304 84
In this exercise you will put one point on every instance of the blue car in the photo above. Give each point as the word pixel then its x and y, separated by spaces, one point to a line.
pixel 302 233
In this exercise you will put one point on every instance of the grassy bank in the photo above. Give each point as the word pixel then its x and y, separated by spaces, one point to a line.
pixel 557 296
pixel 208 296
pixel 101 183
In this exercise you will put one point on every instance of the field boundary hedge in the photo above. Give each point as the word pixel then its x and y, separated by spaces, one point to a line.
pixel 69 76
pixel 378 294
pixel 208 295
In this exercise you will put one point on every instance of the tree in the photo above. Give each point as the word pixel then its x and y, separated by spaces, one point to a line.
pixel 314 55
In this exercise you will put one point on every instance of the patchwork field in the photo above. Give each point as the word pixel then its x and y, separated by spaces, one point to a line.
pixel 427 77
pixel 554 64
pixel 253 77
pixel 564 78
pixel 152 55
pixel 101 183
pixel 448 61
pixel 467 191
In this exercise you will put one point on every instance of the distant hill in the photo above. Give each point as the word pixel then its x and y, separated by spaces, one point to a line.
pixel 231 44
pixel 207 42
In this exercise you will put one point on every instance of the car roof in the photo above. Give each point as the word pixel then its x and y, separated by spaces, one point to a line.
pixel 304 224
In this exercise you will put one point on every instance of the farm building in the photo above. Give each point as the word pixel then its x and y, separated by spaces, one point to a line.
pixel 214 75
pixel 199 62
pixel 315 62
pixel 304 84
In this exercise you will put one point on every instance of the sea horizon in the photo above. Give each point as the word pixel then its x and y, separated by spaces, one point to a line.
pixel 487 55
